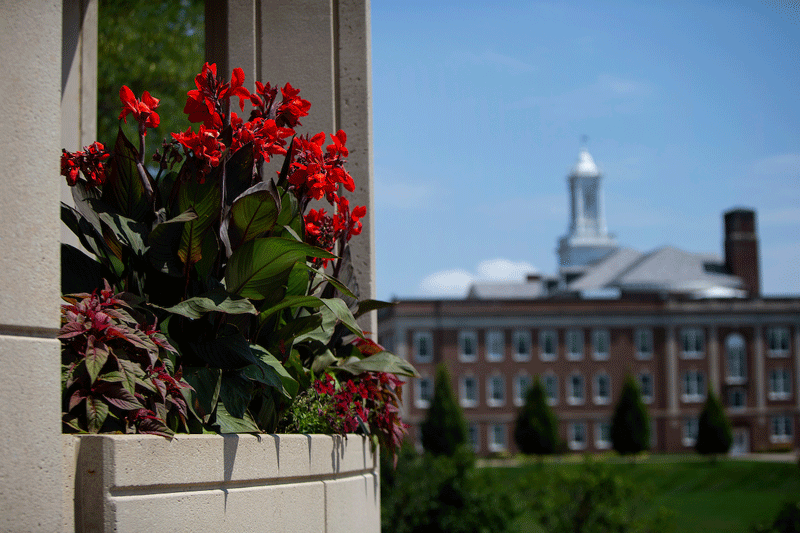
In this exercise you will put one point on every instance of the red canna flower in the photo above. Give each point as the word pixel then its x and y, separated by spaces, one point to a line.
pixel 90 162
pixel 143 110
pixel 205 147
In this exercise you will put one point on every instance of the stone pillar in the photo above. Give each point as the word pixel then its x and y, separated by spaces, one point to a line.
pixel 30 421
pixel 796 384
pixel 321 47
pixel 672 374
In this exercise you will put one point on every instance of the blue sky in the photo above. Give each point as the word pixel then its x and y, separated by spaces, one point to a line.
pixel 479 107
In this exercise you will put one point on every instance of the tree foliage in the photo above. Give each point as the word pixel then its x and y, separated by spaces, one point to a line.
pixel 714 435
pixel 630 426
pixel 442 494
pixel 444 430
pixel 157 46
pixel 536 431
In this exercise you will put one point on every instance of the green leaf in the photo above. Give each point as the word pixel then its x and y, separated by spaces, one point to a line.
pixel 163 242
pixel 238 172
pixel 206 383
pixel 253 213
pixel 235 392
pixel 204 199
pixel 290 385
pixel 289 217
pixel 365 306
pixel 225 352
pixel 79 272
pixel 218 300
pixel 127 231
pixel 289 301
pixel 96 413
pixel 118 396
pixel 91 239
pixel 261 266
pixel 380 362
pixel 323 361
pixel 339 308
pixel 230 424
pixel 123 189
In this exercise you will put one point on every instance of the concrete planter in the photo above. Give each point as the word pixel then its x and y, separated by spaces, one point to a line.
pixel 236 483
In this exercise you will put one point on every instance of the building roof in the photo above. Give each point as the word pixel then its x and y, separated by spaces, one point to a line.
pixel 605 271
pixel 488 290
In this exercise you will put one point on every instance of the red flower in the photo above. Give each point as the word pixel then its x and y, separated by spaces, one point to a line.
pixel 208 103
pixel 91 162
pixel 346 223
pixel 292 107
pixel 267 138
pixel 143 110
pixel 205 147
pixel 315 174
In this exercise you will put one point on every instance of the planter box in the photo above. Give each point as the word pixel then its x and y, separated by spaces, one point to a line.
pixel 236 483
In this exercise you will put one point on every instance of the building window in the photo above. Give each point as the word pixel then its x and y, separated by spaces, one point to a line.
pixel 602 435
pixel 694 386
pixel 778 342
pixel 736 362
pixel 781 429
pixel 646 386
pixel 692 343
pixel 474 437
pixel 575 394
pixel 780 384
pixel 602 389
pixel 423 392
pixel 522 382
pixel 577 436
pixel 495 345
pixel 550 384
pixel 690 428
pixel 467 346
pixel 497 438
pixel 600 344
pixel 574 345
pixel 522 345
pixel 423 347
pixel 547 345
pixel 737 398
pixel 644 343
pixel 496 391
pixel 469 391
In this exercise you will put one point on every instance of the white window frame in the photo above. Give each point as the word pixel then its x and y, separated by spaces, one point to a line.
pixel 428 336
pixel 577 429
pixel 780 384
pixel 737 391
pixel 600 442
pixel 550 380
pixel 543 336
pixel 571 398
pixel 781 429
pixel 519 390
pixel 646 398
pixel 645 334
pixel 463 336
pixel 778 335
pixel 693 386
pixel 735 355
pixel 494 337
pixel 419 401
pixel 576 334
pixel 693 343
pixel 491 401
pixel 690 428
pixel 525 336
pixel 602 400
pixel 597 336
pixel 464 399
pixel 496 444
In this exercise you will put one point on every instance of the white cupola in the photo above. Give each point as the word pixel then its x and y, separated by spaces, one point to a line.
pixel 588 239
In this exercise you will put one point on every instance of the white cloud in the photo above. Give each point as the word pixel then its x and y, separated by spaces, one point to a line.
pixel 456 283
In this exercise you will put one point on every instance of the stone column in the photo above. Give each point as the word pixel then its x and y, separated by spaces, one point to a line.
pixel 713 362
pixel 672 375
pixel 30 421
pixel 761 401
pixel 321 47
pixel 796 384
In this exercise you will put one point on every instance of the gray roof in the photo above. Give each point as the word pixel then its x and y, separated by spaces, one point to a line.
pixel 490 290
pixel 606 270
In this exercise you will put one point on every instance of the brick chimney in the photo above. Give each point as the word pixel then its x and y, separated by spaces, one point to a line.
pixel 741 249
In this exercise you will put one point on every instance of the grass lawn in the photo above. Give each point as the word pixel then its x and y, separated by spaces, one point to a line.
pixel 726 497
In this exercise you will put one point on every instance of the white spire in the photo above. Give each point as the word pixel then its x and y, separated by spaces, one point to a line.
pixel 585 167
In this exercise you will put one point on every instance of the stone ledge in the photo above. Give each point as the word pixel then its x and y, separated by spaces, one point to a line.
pixel 219 482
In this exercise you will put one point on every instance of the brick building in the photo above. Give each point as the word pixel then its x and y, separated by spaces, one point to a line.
pixel 678 322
